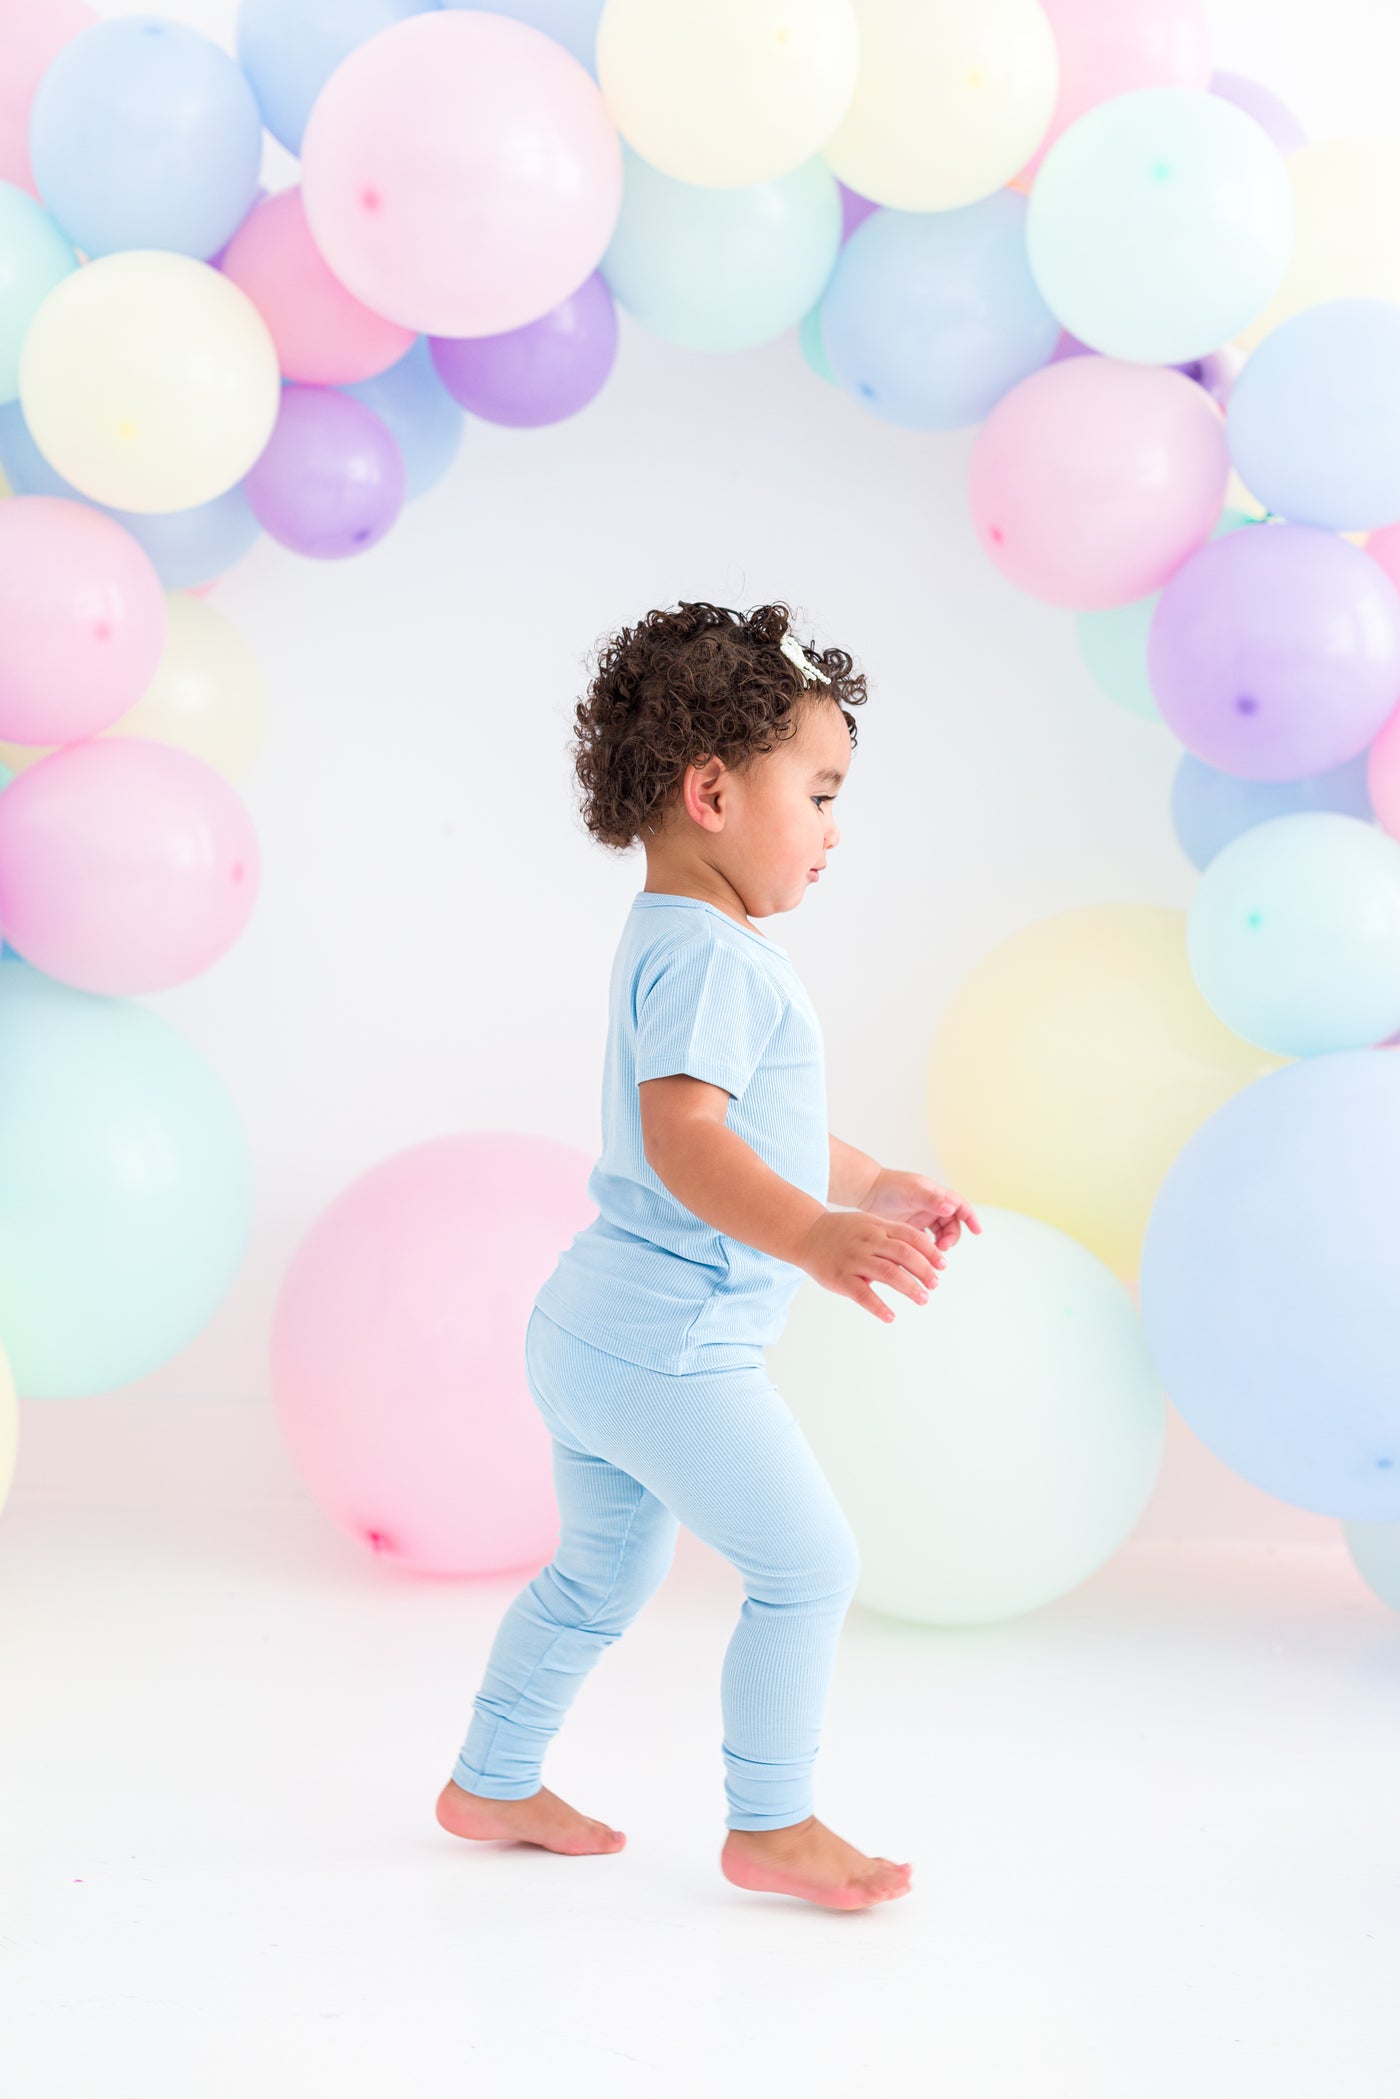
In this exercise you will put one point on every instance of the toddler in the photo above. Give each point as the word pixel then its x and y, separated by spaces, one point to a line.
pixel 720 743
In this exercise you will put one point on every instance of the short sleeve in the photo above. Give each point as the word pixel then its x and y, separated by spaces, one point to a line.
pixel 707 1011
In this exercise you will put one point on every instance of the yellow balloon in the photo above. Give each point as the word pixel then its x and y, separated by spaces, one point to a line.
pixel 730 93
pixel 9 1428
pixel 951 102
pixel 5 488
pixel 1072 1065
pixel 149 380
pixel 1346 237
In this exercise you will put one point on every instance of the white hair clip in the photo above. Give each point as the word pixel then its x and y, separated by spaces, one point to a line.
pixel 797 656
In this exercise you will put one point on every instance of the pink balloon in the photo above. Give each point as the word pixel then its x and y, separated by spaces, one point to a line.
pixel 398 1366
pixel 1110 47
pixel 1094 479
pixel 32 33
pixel 1383 774
pixel 1384 546
pixel 323 334
pixel 461 173
pixel 82 615
pixel 125 865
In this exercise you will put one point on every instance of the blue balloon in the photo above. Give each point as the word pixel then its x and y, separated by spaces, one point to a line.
pixel 931 316
pixel 1269 1284
pixel 1313 422
pixel 144 134
pixel 1209 807
pixel 290 48
pixel 187 546
pixel 420 412
pixel 572 23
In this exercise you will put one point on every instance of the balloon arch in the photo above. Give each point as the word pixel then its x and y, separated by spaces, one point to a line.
pixel 1177 324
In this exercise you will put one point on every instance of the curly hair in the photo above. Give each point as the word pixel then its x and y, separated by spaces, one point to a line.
pixel 702 681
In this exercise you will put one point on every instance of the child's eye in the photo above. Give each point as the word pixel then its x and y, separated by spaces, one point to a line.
pixel 820 798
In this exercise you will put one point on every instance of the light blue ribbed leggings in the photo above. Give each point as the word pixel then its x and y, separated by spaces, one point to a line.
pixel 638 1452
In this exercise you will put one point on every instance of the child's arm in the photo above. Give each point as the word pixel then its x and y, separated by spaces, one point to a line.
pixel 853 1175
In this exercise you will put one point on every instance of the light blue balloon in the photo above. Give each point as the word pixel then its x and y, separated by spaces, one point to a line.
pixel 931 316
pixel 1160 224
pixel 290 48
pixel 572 23
pixel 1209 807
pixel 809 335
pixel 1113 643
pixel 1268 1283
pixel 1313 422
pixel 144 134
pixel 126 1192
pixel 1375 1551
pixel 1294 934
pixel 421 414
pixel 722 269
pixel 34 257
pixel 187 546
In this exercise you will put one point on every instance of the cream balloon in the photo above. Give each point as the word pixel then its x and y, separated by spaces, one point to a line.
pixel 950 103
pixel 1346 229
pixel 149 381
pixel 1071 1066
pixel 9 1428
pixel 732 93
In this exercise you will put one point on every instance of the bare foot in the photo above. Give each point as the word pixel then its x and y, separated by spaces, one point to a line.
pixel 809 1860
pixel 543 1819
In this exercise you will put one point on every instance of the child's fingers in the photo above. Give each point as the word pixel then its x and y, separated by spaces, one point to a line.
pixel 864 1295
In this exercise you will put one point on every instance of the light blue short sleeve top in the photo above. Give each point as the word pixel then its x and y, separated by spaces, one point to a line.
pixel 692 990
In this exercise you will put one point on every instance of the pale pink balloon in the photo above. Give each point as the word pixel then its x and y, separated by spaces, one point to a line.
pixel 32 33
pixel 126 865
pixel 324 335
pixel 1383 546
pixel 1110 47
pixel 82 620
pixel 1383 775
pixel 461 173
pixel 397 1358
pixel 1093 480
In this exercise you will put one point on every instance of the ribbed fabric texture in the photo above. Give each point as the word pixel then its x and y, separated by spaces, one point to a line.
pixel 692 990
pixel 637 1452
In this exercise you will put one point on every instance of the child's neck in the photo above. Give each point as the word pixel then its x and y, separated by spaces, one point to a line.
pixel 672 874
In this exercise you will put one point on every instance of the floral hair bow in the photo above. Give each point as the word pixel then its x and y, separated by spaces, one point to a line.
pixel 797 656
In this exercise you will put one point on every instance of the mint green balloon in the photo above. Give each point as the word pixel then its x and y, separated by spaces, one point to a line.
pixel 126 1188
pixel 34 257
pixel 1375 1552
pixel 1114 643
pixel 722 269
pixel 992 1447
pixel 814 348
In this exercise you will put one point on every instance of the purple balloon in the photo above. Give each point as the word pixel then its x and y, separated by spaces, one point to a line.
pixel 1261 103
pixel 855 210
pixel 1274 653
pixel 330 480
pixel 1070 346
pixel 537 374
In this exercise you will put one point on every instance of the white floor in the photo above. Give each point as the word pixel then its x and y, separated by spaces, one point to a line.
pixel 1154 1829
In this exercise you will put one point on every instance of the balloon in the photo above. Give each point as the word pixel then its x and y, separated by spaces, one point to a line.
pixel 572 23
pixel 125 866
pixel 1092 480
pixel 950 100
pixel 734 93
pixel 419 414
pixel 127 1195
pixel 855 210
pixel 397 1358
pixel 1383 774
pixel 1314 420
pixel 9 1428
pixel 1009 1433
pixel 1275 653
pixel 1209 808
pixel 460 174
pixel 1346 220
pixel 1268 1284
pixel 1071 1065
pixel 34 257
pixel 1375 1552
pixel 1217 373
pixel 1160 224
pixel 32 33
pixel 331 481
pixel 321 331
pixel 1114 643
pixel 549 369
pixel 290 48
pixel 930 317
pixel 812 346
pixel 722 269
pixel 144 134
pixel 83 616
pixel 1264 106
pixel 1109 47
pixel 149 381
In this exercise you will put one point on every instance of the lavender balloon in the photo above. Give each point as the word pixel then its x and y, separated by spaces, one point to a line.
pixel 330 480
pixel 541 373
pixel 1263 105
pixel 1274 654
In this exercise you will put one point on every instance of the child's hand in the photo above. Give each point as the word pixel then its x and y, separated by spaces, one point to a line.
pixel 913 1198
pixel 847 1250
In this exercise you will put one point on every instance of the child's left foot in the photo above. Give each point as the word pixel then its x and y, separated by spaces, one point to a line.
pixel 543 1818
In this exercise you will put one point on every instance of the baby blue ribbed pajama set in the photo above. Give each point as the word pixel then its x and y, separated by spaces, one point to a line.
pixel 644 1356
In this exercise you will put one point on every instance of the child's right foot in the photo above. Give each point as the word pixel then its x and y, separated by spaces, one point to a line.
pixel 809 1860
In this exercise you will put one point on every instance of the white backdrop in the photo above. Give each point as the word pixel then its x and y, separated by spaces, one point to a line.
pixel 430 948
